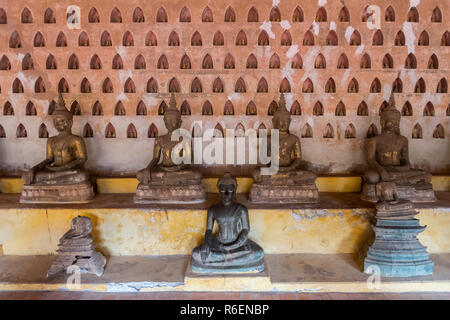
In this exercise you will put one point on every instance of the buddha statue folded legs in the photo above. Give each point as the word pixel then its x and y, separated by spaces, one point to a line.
pixel 230 250
pixel 60 178
pixel 289 184
pixel 164 180
pixel 388 157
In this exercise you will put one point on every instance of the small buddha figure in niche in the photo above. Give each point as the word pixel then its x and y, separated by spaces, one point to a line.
pixel 388 157
pixel 230 250
pixel 60 177
pixel 290 184
pixel 163 180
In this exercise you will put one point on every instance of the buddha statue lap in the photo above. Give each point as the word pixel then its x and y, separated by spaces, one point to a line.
pixel 60 178
pixel 388 157
pixel 164 181
pixel 290 184
pixel 230 250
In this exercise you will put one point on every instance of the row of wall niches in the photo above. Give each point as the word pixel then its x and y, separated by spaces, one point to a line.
pixel 240 86
pixel 72 62
pixel 328 132
pixel 105 39
pixel 229 15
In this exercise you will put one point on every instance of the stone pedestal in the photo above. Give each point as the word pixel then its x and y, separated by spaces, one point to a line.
pixel 268 193
pixel 396 251
pixel 419 193
pixel 70 193
pixel 228 281
pixel 157 193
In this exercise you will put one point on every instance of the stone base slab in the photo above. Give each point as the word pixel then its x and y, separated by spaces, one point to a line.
pixel 423 193
pixel 72 193
pixel 264 193
pixel 285 273
pixel 191 193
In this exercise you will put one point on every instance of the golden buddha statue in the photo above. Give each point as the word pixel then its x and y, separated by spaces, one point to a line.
pixel 388 157
pixel 290 184
pixel 163 180
pixel 60 178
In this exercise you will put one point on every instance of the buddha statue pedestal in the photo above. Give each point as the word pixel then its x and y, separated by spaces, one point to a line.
pixel 396 251
pixel 73 193
pixel 171 185
pixel 422 192
pixel 283 187
pixel 230 250
pixel 388 157
pixel 76 248
pixel 60 178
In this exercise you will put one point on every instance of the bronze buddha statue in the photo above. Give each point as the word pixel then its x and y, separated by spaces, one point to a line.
pixel 290 184
pixel 230 250
pixel 388 157
pixel 163 180
pixel 60 178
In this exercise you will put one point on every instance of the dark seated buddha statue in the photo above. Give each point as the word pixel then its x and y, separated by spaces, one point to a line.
pixel 230 250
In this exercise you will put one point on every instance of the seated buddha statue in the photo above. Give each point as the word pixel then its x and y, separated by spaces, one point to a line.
pixel 388 157
pixel 163 180
pixel 290 184
pixel 230 250
pixel 60 177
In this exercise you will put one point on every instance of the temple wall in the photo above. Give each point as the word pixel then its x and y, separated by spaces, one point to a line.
pixel 166 232
pixel 123 156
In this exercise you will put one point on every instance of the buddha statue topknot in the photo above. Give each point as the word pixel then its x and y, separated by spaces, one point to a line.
pixel 388 157
pixel 290 184
pixel 60 178
pixel 230 250
pixel 164 181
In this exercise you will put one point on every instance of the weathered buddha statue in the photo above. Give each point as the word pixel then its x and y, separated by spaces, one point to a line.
pixel 290 184
pixel 163 180
pixel 77 248
pixel 388 157
pixel 60 178
pixel 230 250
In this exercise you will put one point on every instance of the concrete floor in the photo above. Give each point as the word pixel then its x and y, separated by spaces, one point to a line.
pixel 58 295
pixel 293 272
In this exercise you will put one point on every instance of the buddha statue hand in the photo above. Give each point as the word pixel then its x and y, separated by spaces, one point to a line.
pixel 385 176
pixel 57 168
pixel 28 176
pixel 145 176
pixel 240 241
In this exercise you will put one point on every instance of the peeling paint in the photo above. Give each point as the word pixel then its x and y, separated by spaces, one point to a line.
pixel 321 3
pixel 285 24
pixel 138 286
pixel 410 37
pixel 348 33
pixel 267 26
pixel 414 3
pixel 332 25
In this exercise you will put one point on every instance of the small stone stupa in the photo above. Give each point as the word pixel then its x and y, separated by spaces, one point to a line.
pixel 396 251
pixel 76 247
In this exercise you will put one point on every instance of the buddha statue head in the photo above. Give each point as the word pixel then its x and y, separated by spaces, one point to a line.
pixel 62 118
pixel 172 116
pixel 227 186
pixel 82 226
pixel 282 117
pixel 390 118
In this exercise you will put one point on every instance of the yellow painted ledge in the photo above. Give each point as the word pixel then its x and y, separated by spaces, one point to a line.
pixel 128 185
